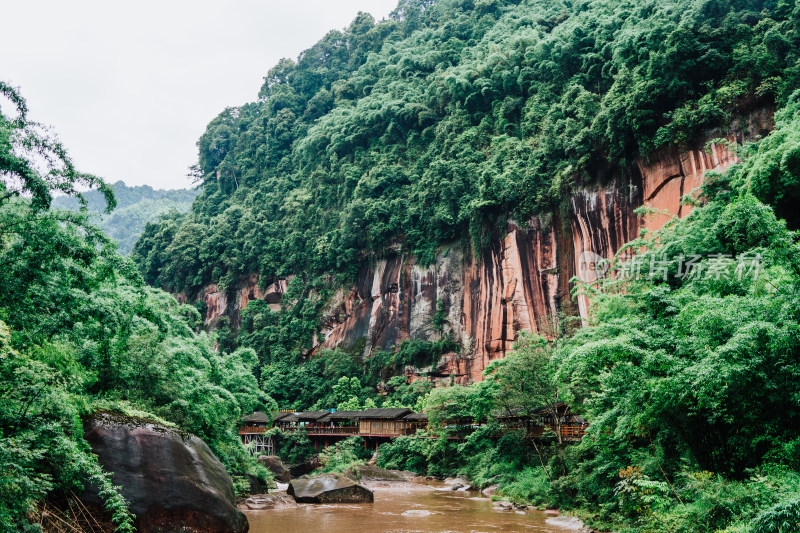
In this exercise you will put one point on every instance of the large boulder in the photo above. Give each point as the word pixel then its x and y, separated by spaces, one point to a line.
pixel 364 473
pixel 276 466
pixel 329 488
pixel 306 467
pixel 171 479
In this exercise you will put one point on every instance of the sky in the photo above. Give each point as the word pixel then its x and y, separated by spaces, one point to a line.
pixel 129 87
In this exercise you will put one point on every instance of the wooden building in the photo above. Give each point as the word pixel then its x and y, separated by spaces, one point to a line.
pixel 252 432
pixel 301 419
pixel 339 423
pixel 538 422
pixel 415 421
pixel 380 425
pixel 383 422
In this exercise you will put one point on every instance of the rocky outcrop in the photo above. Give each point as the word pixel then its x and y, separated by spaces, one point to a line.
pixel 218 301
pixel 172 480
pixel 274 464
pixel 329 488
pixel 521 281
pixel 568 523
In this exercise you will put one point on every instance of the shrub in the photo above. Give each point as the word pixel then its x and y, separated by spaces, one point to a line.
pixel 530 486
pixel 781 518
pixel 344 454
pixel 404 453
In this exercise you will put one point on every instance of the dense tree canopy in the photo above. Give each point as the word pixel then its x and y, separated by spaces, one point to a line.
pixel 80 333
pixel 451 116
pixel 135 207
pixel 439 124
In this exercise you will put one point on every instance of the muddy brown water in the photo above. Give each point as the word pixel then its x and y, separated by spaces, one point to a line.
pixel 407 508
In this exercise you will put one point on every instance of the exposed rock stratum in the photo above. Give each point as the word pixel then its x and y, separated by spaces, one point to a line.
pixel 521 281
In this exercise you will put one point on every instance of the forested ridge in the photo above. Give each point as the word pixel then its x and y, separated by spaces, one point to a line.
pixel 440 124
pixel 432 127
pixel 136 206
pixel 449 117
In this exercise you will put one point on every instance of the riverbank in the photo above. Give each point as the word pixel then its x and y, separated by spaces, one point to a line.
pixel 413 505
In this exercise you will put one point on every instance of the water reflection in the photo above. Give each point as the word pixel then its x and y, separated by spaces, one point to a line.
pixel 401 508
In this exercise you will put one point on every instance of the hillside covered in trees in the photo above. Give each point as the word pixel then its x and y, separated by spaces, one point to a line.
pixel 446 119
pixel 437 126
pixel 136 206
pixel 452 117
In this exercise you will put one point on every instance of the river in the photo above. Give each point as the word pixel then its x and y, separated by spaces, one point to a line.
pixel 411 507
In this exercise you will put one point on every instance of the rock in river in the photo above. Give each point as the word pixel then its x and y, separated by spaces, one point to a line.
pixel 171 479
pixel 329 488
pixel 275 500
pixel 365 473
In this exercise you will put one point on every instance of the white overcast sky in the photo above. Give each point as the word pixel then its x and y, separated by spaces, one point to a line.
pixel 130 86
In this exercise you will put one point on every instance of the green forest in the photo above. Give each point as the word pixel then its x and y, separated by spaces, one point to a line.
pixel 81 333
pixel 436 126
pixel 136 206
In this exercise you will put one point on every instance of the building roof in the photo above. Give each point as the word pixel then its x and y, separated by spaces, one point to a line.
pixel 311 416
pixel 416 417
pixel 348 415
pixel 388 414
pixel 258 417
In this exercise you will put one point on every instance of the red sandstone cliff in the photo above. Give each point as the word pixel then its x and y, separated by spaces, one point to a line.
pixel 521 281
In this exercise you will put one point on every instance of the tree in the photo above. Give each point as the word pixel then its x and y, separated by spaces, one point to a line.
pixel 529 387
pixel 36 164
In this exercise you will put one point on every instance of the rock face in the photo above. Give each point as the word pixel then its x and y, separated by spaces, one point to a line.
pixel 276 466
pixel 329 488
pixel 218 304
pixel 521 281
pixel 172 481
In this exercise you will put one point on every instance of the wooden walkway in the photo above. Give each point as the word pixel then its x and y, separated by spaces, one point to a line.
pixel 380 425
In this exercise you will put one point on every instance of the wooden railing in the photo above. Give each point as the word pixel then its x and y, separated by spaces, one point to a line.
pixel 349 430
pixel 569 431
pixel 573 431
pixel 252 429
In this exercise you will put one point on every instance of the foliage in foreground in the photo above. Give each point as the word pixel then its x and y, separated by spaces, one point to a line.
pixel 81 332
pixel 344 455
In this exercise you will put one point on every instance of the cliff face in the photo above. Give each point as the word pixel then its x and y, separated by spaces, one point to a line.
pixel 219 303
pixel 521 282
